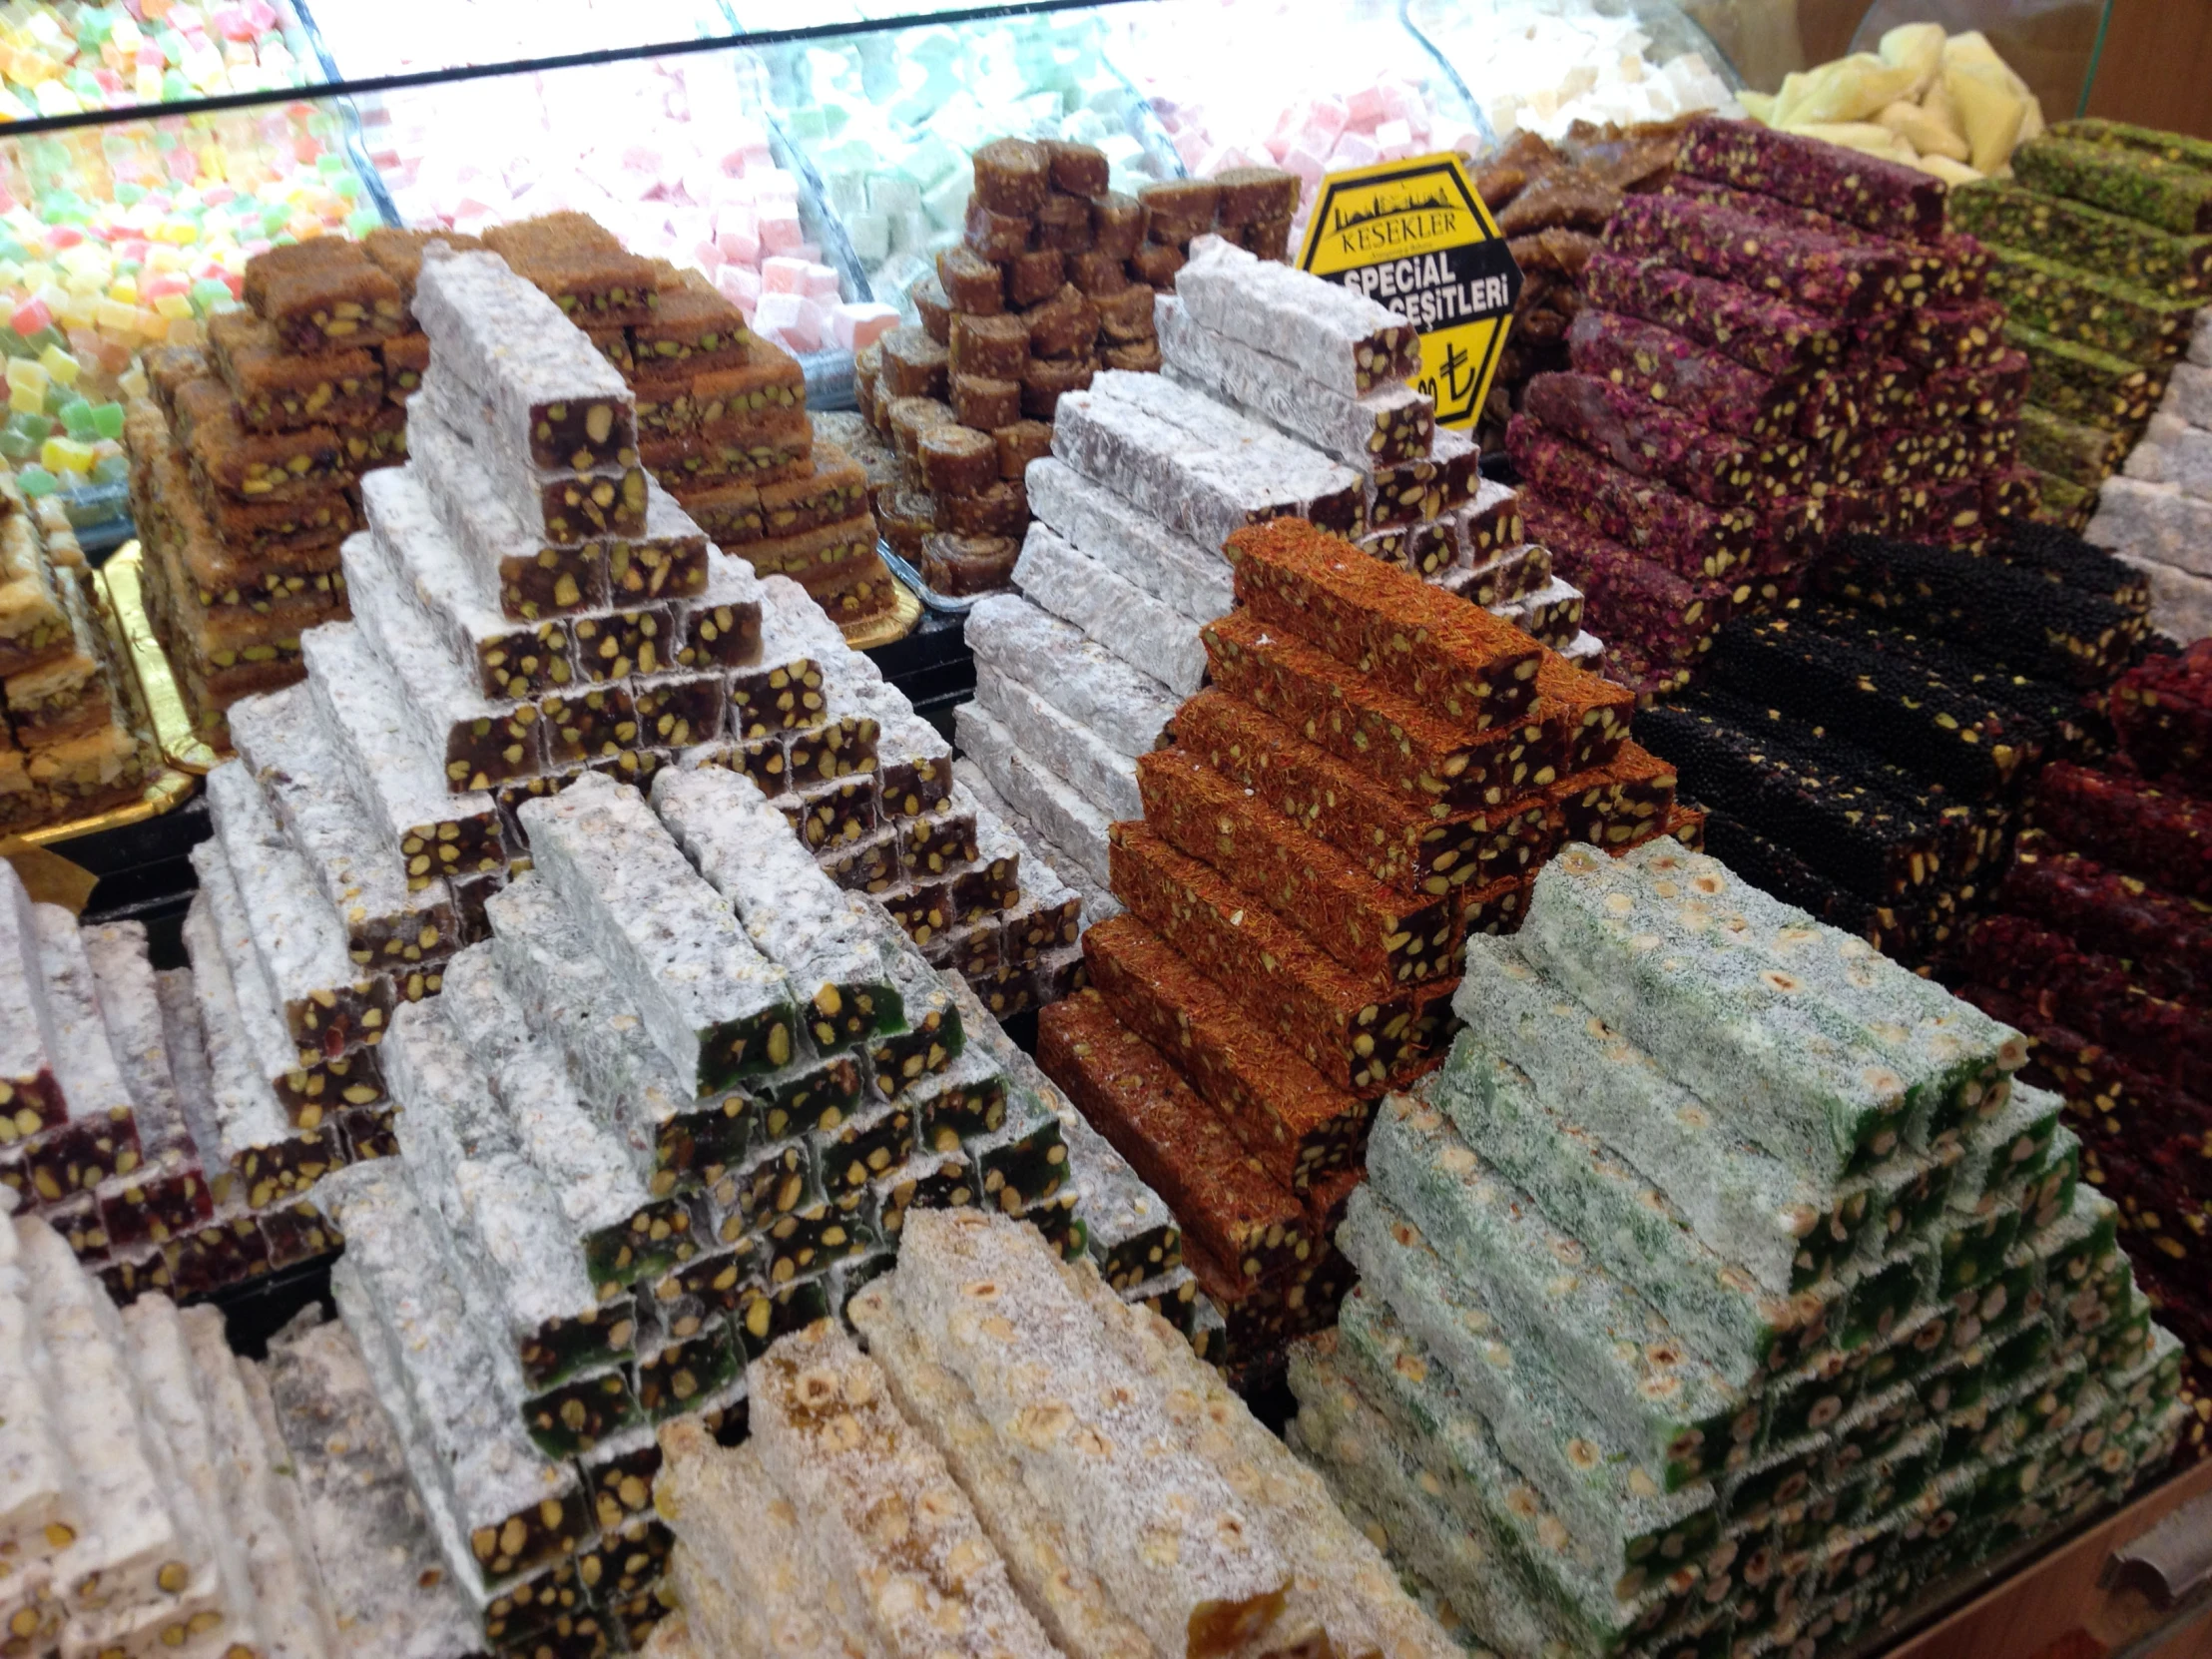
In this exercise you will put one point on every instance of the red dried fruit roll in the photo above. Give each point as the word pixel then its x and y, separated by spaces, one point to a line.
pixel 1884 198
pixel 1354 1036
pixel 1464 664
pixel 1384 935
pixel 2163 713
pixel 1426 761
pixel 1669 367
pixel 2168 938
pixel 1294 1125
pixel 1177 1143
pixel 2163 837
pixel 1694 541
pixel 1632 600
pixel 1421 848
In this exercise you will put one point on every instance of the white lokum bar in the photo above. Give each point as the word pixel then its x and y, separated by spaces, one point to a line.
pixel 550 393
pixel 474 741
pixel 388 1585
pixel 390 922
pixel 830 1436
pixel 1061 746
pixel 1066 819
pixel 327 1002
pixel 30 1097
pixel 1391 423
pixel 537 578
pixel 1173 1543
pixel 1333 334
pixel 1092 519
pixel 828 941
pixel 131 1009
pixel 1090 683
pixel 513 1507
pixel 401 787
pixel 2159 522
pixel 36 1503
pixel 1098 903
pixel 564 507
pixel 718 1009
pixel 91 1079
pixel 246 1113
pixel 285 1597
pixel 452 601
pixel 1153 638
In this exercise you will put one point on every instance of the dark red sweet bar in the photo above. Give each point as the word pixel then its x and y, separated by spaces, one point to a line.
pixel 1670 367
pixel 1178 1145
pixel 2169 938
pixel 1767 335
pixel 2158 834
pixel 1884 198
pixel 1641 436
pixel 1821 274
pixel 2163 713
pixel 1355 1037
pixel 1694 541
pixel 1384 935
pixel 1460 661
pixel 1923 265
pixel 1295 1126
pixel 1672 619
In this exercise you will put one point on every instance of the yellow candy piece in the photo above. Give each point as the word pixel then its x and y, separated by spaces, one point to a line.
pixel 185 330
pixel 132 382
pixel 1919 47
pixel 60 364
pixel 1849 90
pixel 22 400
pixel 1990 110
pixel 24 372
pixel 116 316
pixel 59 454
pixel 172 306
pixel 123 288
pixel 1920 128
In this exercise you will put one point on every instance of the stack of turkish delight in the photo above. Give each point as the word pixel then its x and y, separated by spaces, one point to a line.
pixel 720 411
pixel 1723 1292
pixel 75 734
pixel 246 453
pixel 123 1124
pixel 1087 1485
pixel 146 1508
pixel 1050 284
pixel 2158 517
pixel 1782 345
pixel 1376 771
pixel 1272 342
pixel 1864 753
pixel 684 1101
pixel 2102 953
pixel 2099 252
pixel 1551 202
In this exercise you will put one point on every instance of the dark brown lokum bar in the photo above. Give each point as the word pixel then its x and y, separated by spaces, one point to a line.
pixel 254 467
pixel 1464 663
pixel 614 645
pixel 1880 196
pixel 325 299
pixel 581 268
pixel 1294 1125
pixel 1591 715
pixel 1177 1143
pixel 1384 935
pixel 1618 806
pixel 1350 1034
pixel 277 390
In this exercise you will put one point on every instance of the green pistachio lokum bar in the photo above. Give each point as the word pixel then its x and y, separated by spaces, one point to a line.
pixel 2090 308
pixel 2084 383
pixel 2134 184
pixel 2087 237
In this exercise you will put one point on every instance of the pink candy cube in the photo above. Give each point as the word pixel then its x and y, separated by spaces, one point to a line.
pixel 782 274
pixel 779 229
pixel 819 282
pixel 789 320
pixel 739 285
pixel 859 324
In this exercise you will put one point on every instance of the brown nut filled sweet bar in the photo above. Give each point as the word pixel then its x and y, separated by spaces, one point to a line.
pixel 580 266
pixel 323 300
pixel 280 390
pixel 693 326
pixel 255 466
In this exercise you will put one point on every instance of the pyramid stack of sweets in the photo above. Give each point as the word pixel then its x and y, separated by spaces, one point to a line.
pixel 1150 1514
pixel 1784 344
pixel 721 412
pixel 1866 754
pixel 1052 284
pixel 1269 341
pixel 150 1505
pixel 2158 514
pixel 247 452
pixel 75 734
pixel 124 1128
pixel 1723 1291
pixel 1338 811
pixel 685 1100
pixel 2099 250
pixel 2102 953
pixel 1551 202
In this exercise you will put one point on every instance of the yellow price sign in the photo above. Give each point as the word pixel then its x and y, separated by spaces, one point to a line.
pixel 1415 236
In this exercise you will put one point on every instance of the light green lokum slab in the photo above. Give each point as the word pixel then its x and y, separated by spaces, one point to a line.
pixel 1745 1203
pixel 1629 1226
pixel 1629 1367
pixel 1443 1433
pixel 1356 1451
pixel 2006 1151
pixel 1724 1018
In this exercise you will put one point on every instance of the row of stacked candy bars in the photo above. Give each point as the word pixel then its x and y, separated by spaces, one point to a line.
pixel 2099 250
pixel 1375 773
pixel 1551 202
pixel 2102 953
pixel 75 734
pixel 1863 752
pixel 1722 1292
pixel 147 1505
pixel 1100 1491
pixel 686 1099
pixel 1286 348
pixel 1782 345
pixel 2158 517
pixel 120 1126
pixel 1053 283
pixel 246 452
